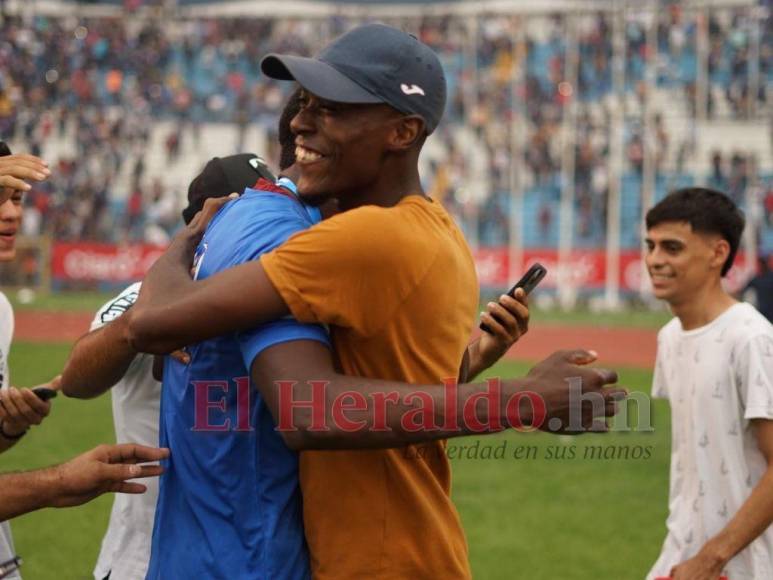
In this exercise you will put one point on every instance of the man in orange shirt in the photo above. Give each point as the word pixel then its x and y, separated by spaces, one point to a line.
pixel 394 279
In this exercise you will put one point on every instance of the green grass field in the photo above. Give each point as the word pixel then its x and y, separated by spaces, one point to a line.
pixel 636 318
pixel 545 516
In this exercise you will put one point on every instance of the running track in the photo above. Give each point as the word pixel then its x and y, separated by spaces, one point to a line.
pixel 633 347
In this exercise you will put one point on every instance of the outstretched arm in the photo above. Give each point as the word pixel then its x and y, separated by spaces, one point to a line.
pixel 753 518
pixel 348 412
pixel 103 469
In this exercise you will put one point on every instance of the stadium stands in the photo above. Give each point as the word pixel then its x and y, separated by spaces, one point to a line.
pixel 129 108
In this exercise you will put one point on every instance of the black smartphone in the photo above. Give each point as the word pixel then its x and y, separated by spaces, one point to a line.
pixel 44 393
pixel 528 282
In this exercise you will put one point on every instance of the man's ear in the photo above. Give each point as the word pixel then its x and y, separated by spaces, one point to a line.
pixel 721 251
pixel 408 131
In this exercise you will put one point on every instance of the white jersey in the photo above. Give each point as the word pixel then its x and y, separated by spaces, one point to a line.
pixel 136 397
pixel 717 378
pixel 6 334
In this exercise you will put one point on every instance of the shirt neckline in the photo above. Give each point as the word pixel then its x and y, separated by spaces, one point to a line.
pixel 706 327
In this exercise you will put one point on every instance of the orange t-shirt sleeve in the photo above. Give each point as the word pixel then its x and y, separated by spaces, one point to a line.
pixel 350 270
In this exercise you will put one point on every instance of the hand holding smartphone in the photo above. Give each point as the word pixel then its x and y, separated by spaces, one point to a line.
pixel 528 282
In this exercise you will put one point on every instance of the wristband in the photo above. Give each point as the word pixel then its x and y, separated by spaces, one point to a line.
pixel 10 437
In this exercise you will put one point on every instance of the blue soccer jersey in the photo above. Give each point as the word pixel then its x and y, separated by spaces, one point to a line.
pixel 229 503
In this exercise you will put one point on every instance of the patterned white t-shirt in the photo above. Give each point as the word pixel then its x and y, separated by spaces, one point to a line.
pixel 717 378
pixel 6 335
pixel 136 398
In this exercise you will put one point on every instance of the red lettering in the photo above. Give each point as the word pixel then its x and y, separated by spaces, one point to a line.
pixel 538 411
pixel 380 401
pixel 202 405
pixel 243 404
pixel 358 403
pixel 421 418
pixel 490 397
pixel 450 403
pixel 287 406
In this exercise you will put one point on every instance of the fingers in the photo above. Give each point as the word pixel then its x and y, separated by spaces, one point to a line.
pixel 211 207
pixel 579 356
pixel 23 407
pixel 25 170
pixel 31 409
pixel 55 383
pixel 23 157
pixel 119 473
pixel 40 407
pixel 607 376
pixel 517 309
pixel 522 297
pixel 11 183
pixel 181 356
pixel 128 487
pixel 504 317
pixel 132 453
pixel 494 327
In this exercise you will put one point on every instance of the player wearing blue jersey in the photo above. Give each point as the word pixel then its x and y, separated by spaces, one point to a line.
pixel 231 501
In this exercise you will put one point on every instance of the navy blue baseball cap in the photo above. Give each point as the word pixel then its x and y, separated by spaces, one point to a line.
pixel 373 63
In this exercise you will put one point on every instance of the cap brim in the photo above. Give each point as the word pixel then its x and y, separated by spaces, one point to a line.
pixel 317 77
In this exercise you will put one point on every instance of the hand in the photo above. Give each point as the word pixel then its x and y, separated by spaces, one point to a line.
pixel 699 567
pixel 103 469
pixel 198 225
pixel 508 321
pixel 17 170
pixel 181 356
pixel 21 408
pixel 572 410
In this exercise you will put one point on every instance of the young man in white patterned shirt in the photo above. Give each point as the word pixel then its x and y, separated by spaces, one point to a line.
pixel 715 366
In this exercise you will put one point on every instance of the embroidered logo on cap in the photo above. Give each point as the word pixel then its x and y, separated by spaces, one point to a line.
pixel 255 162
pixel 412 90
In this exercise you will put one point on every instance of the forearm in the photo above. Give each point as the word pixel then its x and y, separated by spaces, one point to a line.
pixel 477 363
pixel 165 284
pixel 21 493
pixel 356 413
pixel 98 361
pixel 754 517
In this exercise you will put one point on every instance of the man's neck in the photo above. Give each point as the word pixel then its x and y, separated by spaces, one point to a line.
pixel 703 308
pixel 385 192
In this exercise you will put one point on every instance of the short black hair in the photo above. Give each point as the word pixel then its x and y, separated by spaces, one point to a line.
pixel 286 137
pixel 707 211
pixel 4 149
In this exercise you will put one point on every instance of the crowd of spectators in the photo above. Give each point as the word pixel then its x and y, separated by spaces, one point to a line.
pixel 107 82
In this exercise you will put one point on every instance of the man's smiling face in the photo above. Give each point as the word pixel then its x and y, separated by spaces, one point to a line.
pixel 680 261
pixel 340 147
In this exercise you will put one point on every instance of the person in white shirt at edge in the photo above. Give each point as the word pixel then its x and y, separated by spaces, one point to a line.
pixel 103 469
pixel 19 408
pixel 101 359
pixel 715 366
